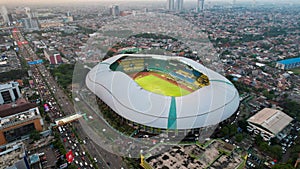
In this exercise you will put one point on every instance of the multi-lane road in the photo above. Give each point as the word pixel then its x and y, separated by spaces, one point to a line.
pixel 46 85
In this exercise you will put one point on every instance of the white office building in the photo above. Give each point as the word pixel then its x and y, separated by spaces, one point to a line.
pixel 9 92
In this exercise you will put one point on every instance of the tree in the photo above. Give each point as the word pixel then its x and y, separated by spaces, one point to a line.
pixel 282 166
pixel 243 124
pixel 263 146
pixel 258 140
pixel 232 129
pixel 35 135
pixel 276 151
pixel 224 131
pixel 72 166
pixel 239 137
pixel 47 118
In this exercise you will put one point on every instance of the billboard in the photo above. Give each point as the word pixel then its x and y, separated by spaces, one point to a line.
pixel 46 107
pixel 35 62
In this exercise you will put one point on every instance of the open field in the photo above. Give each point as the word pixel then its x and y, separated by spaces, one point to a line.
pixel 296 71
pixel 158 85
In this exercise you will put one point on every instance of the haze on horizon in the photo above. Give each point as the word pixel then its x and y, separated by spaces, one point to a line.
pixel 33 2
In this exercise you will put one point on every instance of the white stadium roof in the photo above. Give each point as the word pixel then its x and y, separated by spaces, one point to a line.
pixel 206 106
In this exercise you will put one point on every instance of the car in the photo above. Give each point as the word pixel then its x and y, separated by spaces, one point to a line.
pixel 75 145
pixel 81 164
pixel 84 142
pixel 76 162
pixel 95 159
pixel 44 158
pixel 91 165
pixel 70 141
pixel 76 154
pixel 249 163
pixel 83 153
pixel 85 163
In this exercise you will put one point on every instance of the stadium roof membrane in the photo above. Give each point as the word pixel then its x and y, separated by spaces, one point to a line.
pixel 206 106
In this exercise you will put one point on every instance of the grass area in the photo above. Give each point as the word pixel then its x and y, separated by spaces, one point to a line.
pixel 296 71
pixel 159 86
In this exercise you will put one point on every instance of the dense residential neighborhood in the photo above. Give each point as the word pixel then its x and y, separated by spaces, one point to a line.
pixel 50 117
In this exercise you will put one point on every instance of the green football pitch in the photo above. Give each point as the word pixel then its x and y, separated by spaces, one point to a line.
pixel 160 86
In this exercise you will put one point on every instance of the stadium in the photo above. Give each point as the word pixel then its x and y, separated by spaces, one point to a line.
pixel 163 93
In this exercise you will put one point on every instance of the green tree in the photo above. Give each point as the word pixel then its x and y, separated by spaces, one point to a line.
pixel 276 151
pixel 283 166
pixel 224 131
pixel 243 124
pixel 258 140
pixel 35 135
pixel 72 166
pixel 263 146
pixel 239 137
pixel 232 129
pixel 47 118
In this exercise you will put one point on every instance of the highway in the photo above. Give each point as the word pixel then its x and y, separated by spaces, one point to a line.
pixel 45 83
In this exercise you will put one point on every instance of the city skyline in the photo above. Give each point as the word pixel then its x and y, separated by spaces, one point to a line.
pixel 14 2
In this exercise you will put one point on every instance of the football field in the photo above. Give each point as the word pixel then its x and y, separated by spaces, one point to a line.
pixel 158 85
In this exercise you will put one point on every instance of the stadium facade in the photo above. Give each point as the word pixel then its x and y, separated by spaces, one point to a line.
pixel 211 100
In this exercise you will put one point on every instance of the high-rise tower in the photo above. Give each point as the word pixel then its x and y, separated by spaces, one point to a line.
pixel 233 3
pixel 4 14
pixel 114 10
pixel 178 5
pixel 200 5
pixel 28 12
pixel 170 5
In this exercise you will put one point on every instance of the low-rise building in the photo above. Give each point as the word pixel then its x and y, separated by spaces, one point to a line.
pixel 214 155
pixel 53 56
pixel 18 120
pixel 288 63
pixel 269 123
pixel 13 156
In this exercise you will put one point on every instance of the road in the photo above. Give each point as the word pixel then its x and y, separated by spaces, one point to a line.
pixel 45 82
